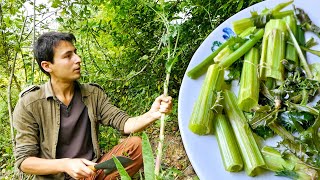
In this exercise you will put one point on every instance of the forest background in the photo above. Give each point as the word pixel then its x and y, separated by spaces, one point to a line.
pixel 121 43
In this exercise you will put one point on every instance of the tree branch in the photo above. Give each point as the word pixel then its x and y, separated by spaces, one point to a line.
pixel 10 84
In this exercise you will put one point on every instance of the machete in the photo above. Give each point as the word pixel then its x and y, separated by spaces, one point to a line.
pixel 109 166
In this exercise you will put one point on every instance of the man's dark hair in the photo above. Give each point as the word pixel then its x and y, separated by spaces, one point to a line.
pixel 44 46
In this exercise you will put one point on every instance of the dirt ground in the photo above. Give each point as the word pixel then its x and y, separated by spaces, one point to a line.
pixel 174 155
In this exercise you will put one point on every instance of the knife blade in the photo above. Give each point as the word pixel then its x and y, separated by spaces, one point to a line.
pixel 109 166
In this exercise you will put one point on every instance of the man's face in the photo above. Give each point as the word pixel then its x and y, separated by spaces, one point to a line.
pixel 66 62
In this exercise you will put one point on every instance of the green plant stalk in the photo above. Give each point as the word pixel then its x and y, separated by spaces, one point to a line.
pixel 263 58
pixel 201 120
pixel 282 14
pixel 315 52
pixel 242 49
pixel 273 50
pixel 250 152
pixel 303 60
pixel 301 39
pixel 225 52
pixel 280 6
pixel 221 53
pixel 201 68
pixel 275 55
pixel 281 131
pixel 240 25
pixel 260 20
pixel 249 83
pixel 171 59
pixel 291 53
pixel 228 146
pixel 162 127
pixel 277 163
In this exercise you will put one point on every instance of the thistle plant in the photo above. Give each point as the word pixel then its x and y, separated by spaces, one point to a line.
pixel 171 32
pixel 169 42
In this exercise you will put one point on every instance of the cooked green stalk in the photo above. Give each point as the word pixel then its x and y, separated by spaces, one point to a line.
pixel 273 50
pixel 303 60
pixel 249 83
pixel 291 53
pixel 228 146
pixel 279 163
pixel 226 62
pixel 250 152
pixel 201 120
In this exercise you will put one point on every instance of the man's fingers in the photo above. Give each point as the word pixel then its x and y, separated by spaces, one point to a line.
pixel 88 163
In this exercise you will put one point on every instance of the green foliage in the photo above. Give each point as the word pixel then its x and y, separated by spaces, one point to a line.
pixel 123 173
pixel 108 138
pixel 148 158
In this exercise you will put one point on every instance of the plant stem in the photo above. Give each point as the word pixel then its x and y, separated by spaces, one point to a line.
pixel 303 60
pixel 162 125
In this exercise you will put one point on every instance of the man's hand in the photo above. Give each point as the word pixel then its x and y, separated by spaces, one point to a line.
pixel 78 168
pixel 162 104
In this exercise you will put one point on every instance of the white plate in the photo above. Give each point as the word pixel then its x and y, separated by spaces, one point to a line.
pixel 203 151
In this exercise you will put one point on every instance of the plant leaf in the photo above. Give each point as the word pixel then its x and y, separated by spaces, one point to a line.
pixel 170 63
pixel 148 158
pixel 123 173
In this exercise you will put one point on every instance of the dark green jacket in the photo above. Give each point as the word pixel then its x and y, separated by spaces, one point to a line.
pixel 37 121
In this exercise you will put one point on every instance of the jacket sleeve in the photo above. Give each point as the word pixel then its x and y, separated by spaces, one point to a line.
pixel 110 114
pixel 27 133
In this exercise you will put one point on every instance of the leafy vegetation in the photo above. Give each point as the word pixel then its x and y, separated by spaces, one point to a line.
pixel 119 43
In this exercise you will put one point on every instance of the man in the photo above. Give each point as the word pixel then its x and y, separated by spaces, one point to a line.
pixel 57 123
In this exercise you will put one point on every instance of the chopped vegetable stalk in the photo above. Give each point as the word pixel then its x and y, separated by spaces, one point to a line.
pixel 201 68
pixel 250 152
pixel 226 62
pixel 303 60
pixel 223 54
pixel 228 146
pixel 260 20
pixel 228 50
pixel 201 120
pixel 282 14
pixel 291 53
pixel 249 83
pixel 242 24
pixel 273 50
pixel 282 164
pixel 280 6
pixel 275 55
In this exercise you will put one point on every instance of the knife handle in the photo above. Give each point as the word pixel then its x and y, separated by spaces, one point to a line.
pixel 92 168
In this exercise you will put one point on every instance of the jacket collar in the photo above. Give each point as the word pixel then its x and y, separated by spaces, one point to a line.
pixel 50 94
